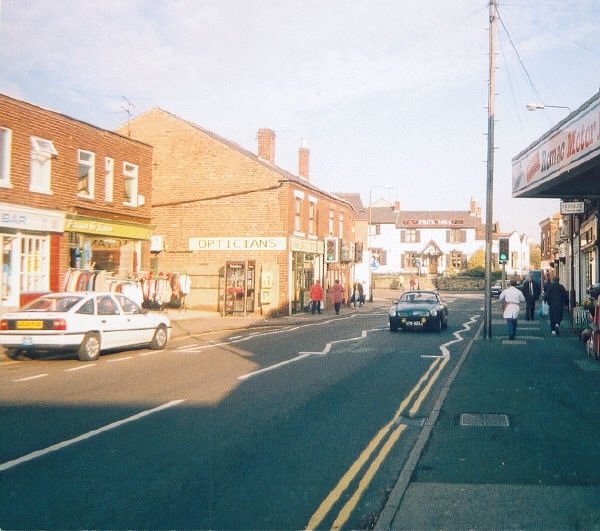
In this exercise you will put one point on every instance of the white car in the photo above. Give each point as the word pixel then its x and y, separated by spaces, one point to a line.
pixel 86 322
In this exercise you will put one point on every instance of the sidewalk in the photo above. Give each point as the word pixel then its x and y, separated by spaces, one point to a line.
pixel 542 471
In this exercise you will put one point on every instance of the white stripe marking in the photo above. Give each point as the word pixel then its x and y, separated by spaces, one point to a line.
pixel 86 366
pixel 31 378
pixel 88 435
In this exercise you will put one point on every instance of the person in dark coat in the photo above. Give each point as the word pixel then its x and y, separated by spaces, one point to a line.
pixel 557 298
pixel 531 291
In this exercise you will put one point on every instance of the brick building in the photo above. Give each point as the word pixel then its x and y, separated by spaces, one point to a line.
pixel 251 236
pixel 72 196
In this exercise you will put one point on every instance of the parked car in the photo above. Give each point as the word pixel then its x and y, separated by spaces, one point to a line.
pixel 594 290
pixel 496 289
pixel 85 322
pixel 419 309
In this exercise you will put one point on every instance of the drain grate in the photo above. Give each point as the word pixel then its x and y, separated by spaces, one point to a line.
pixel 494 420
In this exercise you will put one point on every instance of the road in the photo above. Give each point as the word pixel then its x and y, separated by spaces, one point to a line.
pixel 274 428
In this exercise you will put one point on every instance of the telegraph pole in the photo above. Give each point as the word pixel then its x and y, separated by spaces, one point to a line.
pixel 490 174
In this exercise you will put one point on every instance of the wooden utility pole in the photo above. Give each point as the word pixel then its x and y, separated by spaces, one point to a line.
pixel 490 174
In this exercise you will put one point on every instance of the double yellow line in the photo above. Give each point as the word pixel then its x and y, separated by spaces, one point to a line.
pixel 392 431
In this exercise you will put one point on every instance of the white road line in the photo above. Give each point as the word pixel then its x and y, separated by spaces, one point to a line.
pixel 31 378
pixel 116 360
pixel 81 367
pixel 88 435
pixel 302 355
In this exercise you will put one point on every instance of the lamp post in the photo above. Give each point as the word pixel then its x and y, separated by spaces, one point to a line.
pixel 539 106
pixel 385 187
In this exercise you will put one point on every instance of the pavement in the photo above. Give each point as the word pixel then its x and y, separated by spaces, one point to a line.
pixel 513 441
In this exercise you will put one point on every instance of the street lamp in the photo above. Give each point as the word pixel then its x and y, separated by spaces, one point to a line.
pixel 384 187
pixel 539 106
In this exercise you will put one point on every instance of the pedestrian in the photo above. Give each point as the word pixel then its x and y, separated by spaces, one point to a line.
pixel 411 283
pixel 354 296
pixel 531 291
pixel 557 298
pixel 316 297
pixel 361 294
pixel 511 297
pixel 337 295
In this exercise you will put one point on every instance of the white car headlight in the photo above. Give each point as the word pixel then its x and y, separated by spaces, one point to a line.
pixel 433 312
pixel 392 311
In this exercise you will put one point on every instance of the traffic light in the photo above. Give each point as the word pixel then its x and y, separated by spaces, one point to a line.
pixel 332 251
pixel 503 250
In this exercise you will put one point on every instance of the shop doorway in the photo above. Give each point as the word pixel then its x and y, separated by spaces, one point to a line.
pixel 8 271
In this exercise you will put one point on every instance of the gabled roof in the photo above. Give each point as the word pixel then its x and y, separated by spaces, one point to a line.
pixel 355 200
pixel 283 174
pixel 432 248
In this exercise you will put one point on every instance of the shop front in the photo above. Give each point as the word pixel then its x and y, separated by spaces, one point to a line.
pixel 565 164
pixel 106 245
pixel 28 238
pixel 307 266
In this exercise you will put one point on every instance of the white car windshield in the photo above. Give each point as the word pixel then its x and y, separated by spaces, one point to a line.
pixel 419 297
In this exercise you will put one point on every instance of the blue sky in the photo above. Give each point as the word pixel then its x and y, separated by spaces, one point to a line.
pixel 385 92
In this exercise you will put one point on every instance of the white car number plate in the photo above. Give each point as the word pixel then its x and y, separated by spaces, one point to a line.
pixel 27 341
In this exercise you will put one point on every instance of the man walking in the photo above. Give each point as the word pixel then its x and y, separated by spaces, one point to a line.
pixel 510 298
pixel 557 298
pixel 531 292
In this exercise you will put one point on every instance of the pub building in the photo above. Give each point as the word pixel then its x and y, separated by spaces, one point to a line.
pixel 564 163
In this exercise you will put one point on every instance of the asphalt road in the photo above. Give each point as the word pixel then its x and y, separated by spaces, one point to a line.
pixel 286 427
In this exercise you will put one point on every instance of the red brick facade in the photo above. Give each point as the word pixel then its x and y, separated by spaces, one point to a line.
pixel 215 202
pixel 92 219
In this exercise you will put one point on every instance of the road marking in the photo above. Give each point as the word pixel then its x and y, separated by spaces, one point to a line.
pixel 81 367
pixel 88 435
pixel 423 388
pixel 116 360
pixel 306 354
pixel 31 378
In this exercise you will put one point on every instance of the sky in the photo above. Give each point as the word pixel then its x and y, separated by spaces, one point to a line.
pixel 390 96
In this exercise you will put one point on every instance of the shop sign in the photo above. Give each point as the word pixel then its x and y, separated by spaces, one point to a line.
pixel 306 246
pixel 108 228
pixel 23 218
pixel 332 250
pixel 563 149
pixel 238 244
pixel 572 207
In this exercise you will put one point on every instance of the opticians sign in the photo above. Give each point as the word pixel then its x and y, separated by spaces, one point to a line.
pixel 257 243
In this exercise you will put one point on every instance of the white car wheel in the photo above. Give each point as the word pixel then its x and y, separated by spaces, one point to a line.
pixel 159 340
pixel 89 350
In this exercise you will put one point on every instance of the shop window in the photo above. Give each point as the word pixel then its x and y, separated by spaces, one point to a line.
pixel 42 152
pixel 5 147
pixel 85 184
pixel 109 179
pixel 130 175
pixel 34 264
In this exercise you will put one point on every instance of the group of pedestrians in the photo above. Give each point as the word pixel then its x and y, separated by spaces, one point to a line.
pixel 317 295
pixel 554 297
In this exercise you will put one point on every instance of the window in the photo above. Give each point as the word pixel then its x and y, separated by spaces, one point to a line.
pixel 130 174
pixel 409 260
pixel 456 236
pixel 298 214
pixel 311 218
pixel 331 221
pixel 457 260
pixel 34 264
pixel 410 236
pixel 341 226
pixel 109 179
pixel 85 184
pixel 5 147
pixel 42 152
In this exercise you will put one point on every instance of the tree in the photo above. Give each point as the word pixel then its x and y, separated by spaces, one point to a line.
pixel 535 256
pixel 477 259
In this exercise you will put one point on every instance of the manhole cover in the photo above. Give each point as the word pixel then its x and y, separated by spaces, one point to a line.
pixel 494 420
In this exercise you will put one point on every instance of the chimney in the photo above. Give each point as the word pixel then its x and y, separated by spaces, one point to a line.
pixel 303 155
pixel 266 145
pixel 396 207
